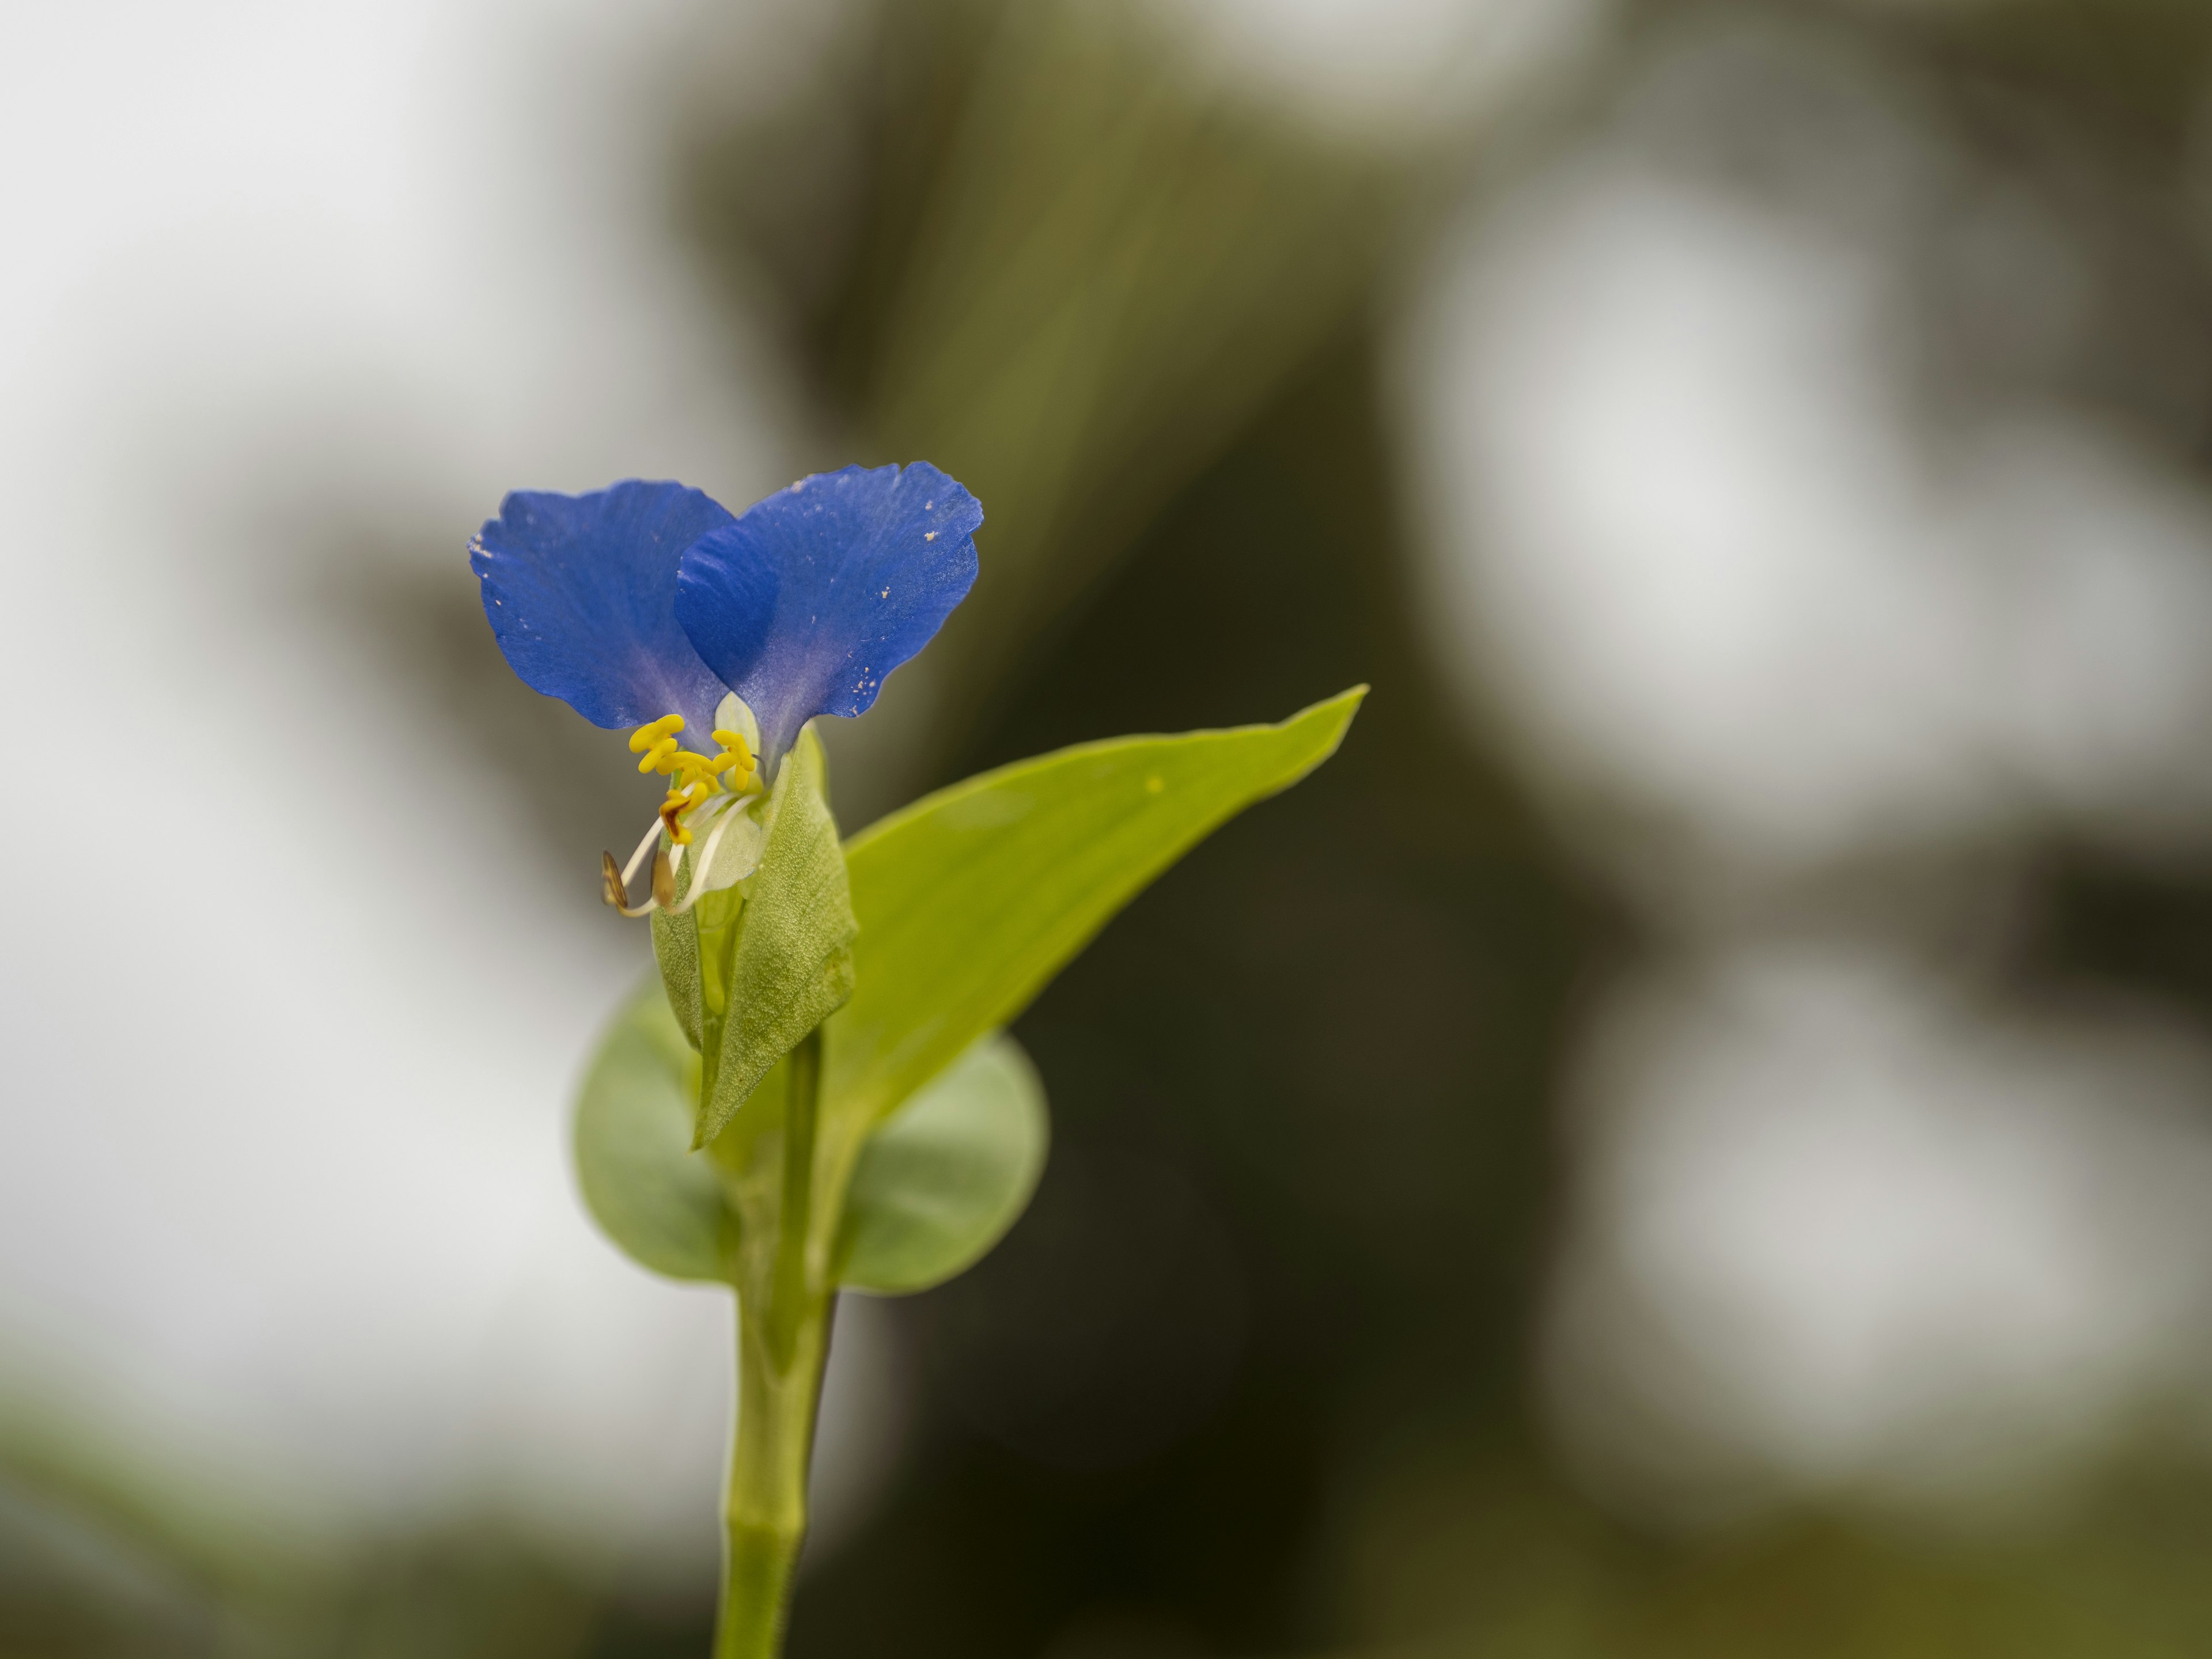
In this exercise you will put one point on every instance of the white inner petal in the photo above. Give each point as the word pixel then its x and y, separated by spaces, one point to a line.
pixel 734 713
pixel 731 853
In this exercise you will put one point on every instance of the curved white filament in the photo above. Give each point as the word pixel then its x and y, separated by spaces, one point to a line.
pixel 706 859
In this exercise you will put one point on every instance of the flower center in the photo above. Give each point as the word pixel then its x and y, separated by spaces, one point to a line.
pixel 695 778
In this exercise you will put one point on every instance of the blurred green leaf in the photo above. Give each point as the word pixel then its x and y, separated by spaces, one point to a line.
pixel 947 1173
pixel 634 1120
pixel 974 897
pixel 1091 300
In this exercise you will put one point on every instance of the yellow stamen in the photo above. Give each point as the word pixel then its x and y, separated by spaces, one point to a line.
pixel 692 767
pixel 693 780
pixel 649 736
pixel 736 759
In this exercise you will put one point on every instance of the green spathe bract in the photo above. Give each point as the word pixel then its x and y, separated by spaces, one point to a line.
pixel 790 963
pixel 866 1121
pixel 752 968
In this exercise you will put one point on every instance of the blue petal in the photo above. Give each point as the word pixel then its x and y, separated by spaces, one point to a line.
pixel 581 590
pixel 811 597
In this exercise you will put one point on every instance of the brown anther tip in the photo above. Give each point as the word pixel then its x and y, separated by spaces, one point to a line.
pixel 663 880
pixel 610 881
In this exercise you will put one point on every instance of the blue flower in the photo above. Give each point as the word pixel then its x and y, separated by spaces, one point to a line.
pixel 648 606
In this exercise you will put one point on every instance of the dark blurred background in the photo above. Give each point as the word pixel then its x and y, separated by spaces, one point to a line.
pixel 1692 1136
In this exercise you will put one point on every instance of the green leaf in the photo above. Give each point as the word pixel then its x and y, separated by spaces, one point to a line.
pixel 972 898
pixel 938 1185
pixel 943 1178
pixel 968 901
pixel 784 963
pixel 641 1184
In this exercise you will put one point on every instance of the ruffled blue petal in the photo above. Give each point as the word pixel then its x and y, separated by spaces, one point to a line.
pixel 860 568
pixel 581 590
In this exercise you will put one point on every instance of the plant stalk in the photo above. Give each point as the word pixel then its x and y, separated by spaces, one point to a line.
pixel 783 1340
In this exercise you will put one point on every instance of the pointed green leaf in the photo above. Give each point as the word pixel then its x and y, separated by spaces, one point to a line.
pixel 640 1182
pixel 972 898
pixel 944 1175
pixel 792 960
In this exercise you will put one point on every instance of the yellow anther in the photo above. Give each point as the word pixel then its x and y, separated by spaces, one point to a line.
pixel 736 759
pixel 677 805
pixel 692 769
pixel 650 737
pixel 657 758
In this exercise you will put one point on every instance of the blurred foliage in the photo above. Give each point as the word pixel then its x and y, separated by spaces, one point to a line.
pixel 2135 68
pixel 1472 1550
pixel 1067 272
pixel 107 1549
pixel 1252 1375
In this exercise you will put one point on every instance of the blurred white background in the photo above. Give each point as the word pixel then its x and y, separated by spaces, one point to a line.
pixel 291 1024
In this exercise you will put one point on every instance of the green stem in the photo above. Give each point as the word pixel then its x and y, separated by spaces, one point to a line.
pixel 782 1345
pixel 783 1339
pixel 788 1302
pixel 766 1517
